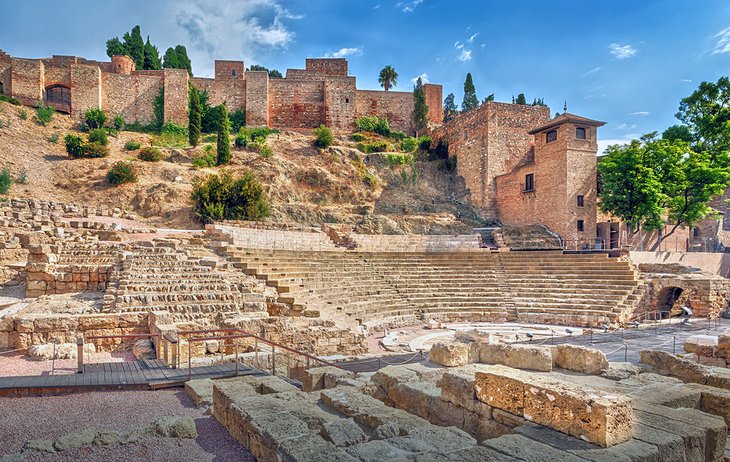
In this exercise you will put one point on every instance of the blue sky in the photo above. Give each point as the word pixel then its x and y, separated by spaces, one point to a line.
pixel 626 62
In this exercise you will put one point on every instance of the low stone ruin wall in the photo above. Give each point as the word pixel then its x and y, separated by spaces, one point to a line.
pixel 45 276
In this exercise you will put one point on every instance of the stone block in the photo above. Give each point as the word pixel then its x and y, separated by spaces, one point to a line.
pixel 320 378
pixel 531 357
pixel 666 363
pixel 200 391
pixel 452 354
pixel 502 388
pixel 579 359
pixel 343 432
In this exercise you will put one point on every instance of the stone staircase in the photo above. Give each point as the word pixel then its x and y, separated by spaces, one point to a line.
pixel 392 288
pixel 183 283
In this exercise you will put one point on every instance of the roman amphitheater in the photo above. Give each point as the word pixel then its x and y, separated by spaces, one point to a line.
pixel 539 337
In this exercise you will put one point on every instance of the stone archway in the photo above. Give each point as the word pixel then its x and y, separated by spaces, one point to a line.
pixel 669 301
pixel 59 96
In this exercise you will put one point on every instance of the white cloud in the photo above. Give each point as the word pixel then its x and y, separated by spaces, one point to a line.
pixel 641 113
pixel 423 77
pixel 723 42
pixel 471 39
pixel 465 55
pixel 344 52
pixel 622 51
pixel 686 80
pixel 458 45
pixel 234 29
pixel 600 95
pixel 409 7
pixel 376 7
pixel 592 71
pixel 625 126
pixel 484 45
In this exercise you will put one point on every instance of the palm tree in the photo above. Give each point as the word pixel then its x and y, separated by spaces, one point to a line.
pixel 388 77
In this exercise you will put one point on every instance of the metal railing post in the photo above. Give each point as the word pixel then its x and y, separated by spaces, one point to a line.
pixel 235 352
pixel 80 355
pixel 166 347
pixel 190 369
pixel 273 360
pixel 256 351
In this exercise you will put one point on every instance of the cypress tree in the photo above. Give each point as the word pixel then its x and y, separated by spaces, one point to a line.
pixel 195 114
pixel 450 108
pixel 420 109
pixel 224 143
pixel 169 61
pixel 182 59
pixel 151 57
pixel 521 99
pixel 470 95
pixel 134 44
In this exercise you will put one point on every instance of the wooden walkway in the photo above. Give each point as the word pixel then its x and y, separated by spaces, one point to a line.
pixel 132 375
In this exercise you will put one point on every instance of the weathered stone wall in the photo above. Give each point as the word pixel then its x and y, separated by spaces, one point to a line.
pixel 86 88
pixel 6 70
pixel 706 296
pixel 327 66
pixel 295 104
pixel 229 70
pixel 257 98
pixel 131 96
pixel 122 64
pixel 57 75
pixel 340 95
pixel 434 98
pixel 27 80
pixel 396 106
pixel 176 96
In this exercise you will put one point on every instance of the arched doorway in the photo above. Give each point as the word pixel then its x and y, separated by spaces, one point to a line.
pixel 59 96
pixel 669 303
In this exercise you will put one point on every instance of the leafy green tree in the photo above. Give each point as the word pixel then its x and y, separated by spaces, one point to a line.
pixel 450 108
pixel 151 56
pixel 677 132
pixel 388 77
pixel 169 60
pixel 114 46
pixel 222 197
pixel 420 108
pixel 538 102
pixel 182 59
pixel 521 99
pixel 655 182
pixel 223 140
pixel 135 46
pixel 275 74
pixel 488 99
pixel 470 100
pixel 195 116
pixel 706 112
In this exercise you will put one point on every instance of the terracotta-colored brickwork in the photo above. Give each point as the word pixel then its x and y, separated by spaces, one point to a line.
pixel 27 80
pixel 85 88
pixel 122 64
pixel 131 96
pixel 230 91
pixel 229 70
pixel 340 96
pixel 295 104
pixel 176 96
pixel 257 98
pixel 434 98
pixel 6 69
pixel 396 106
pixel 327 66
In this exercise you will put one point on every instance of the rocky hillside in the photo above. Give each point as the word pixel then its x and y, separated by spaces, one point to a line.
pixel 305 185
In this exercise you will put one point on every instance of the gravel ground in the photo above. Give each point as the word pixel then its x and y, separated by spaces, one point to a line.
pixel 12 364
pixel 49 417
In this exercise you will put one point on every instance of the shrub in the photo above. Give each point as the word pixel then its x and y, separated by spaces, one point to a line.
pixel 22 176
pixel 122 172
pixel 382 127
pixel 398 136
pixel 44 114
pixel 378 146
pixel 358 137
pixel 172 135
pixel 409 144
pixel 243 138
pixel 264 150
pixel 261 133
pixel 210 138
pixel 206 159
pixel 221 197
pixel 323 137
pixel 393 159
pixel 53 138
pixel 8 99
pixel 237 119
pixel 6 181
pixel 23 114
pixel 98 135
pixel 366 123
pixel 119 122
pixel 370 180
pixel 424 143
pixel 94 118
pixel 95 149
pixel 74 146
pixel 132 145
pixel 150 154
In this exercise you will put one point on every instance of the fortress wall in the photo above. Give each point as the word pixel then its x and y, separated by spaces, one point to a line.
pixel 85 88
pixel 434 101
pixel 340 96
pixel 296 104
pixel 27 80
pixel 55 75
pixel 334 67
pixel 396 106
pixel 176 96
pixel 131 96
pixel 257 99
pixel 6 70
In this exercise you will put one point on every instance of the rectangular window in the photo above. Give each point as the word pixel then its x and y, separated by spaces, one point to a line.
pixel 580 133
pixel 529 182
pixel 581 201
pixel 551 136
pixel 581 225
